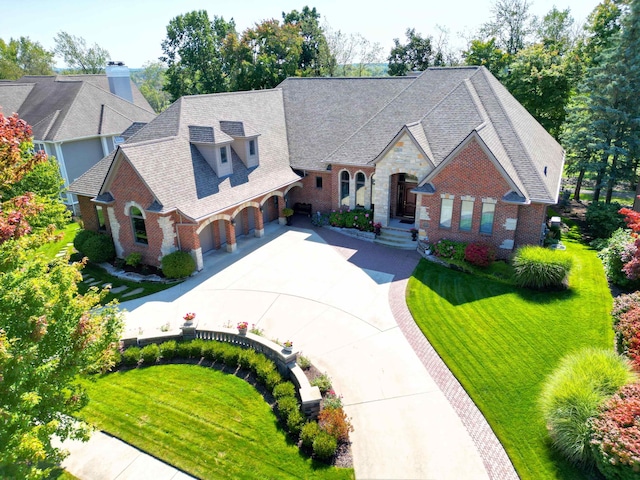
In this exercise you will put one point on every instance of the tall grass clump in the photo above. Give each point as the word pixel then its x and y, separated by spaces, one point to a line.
pixel 541 268
pixel 572 395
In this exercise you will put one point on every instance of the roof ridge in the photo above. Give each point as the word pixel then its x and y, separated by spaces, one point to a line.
pixel 150 141
pixel 63 116
pixel 53 114
pixel 108 92
pixel 476 101
pixel 448 94
pixel 242 92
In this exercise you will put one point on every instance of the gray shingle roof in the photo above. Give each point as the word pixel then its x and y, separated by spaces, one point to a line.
pixel 101 80
pixel 59 108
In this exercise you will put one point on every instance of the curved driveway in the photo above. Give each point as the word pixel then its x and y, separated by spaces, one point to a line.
pixel 332 301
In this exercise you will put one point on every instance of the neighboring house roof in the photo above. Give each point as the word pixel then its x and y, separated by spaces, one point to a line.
pixel 164 155
pixel 60 108
pixel 101 81
pixel 440 108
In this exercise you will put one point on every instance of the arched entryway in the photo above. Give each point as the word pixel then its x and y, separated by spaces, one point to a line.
pixel 213 236
pixel 402 202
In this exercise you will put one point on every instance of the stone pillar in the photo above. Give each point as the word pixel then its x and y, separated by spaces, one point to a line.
pixel 245 221
pixel 230 230
pixel 259 223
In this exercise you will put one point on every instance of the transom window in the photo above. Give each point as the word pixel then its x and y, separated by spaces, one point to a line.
pixel 446 212
pixel 139 227
pixel 466 215
pixel 344 188
pixel 486 221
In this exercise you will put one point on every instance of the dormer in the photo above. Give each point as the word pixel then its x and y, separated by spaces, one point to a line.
pixel 214 145
pixel 245 141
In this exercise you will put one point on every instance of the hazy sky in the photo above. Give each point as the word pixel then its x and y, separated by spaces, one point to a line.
pixel 132 30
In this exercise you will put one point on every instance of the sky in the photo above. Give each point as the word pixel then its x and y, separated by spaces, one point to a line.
pixel 132 30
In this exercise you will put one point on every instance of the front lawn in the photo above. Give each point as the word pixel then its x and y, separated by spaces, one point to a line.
pixel 501 342
pixel 210 424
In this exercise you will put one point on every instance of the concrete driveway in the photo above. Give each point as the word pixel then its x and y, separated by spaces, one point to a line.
pixel 296 286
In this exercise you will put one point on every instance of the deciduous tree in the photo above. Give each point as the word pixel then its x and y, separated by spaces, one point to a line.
pixel 416 54
pixel 78 56
pixel 21 57
pixel 511 25
pixel 151 82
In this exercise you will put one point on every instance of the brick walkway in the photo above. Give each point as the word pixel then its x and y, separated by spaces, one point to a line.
pixel 401 264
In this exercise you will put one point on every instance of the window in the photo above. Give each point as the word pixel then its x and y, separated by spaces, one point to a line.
pixel 252 147
pixel 360 189
pixel 101 223
pixel 117 141
pixel 344 188
pixel 486 221
pixel 318 182
pixel 466 215
pixel 446 212
pixel 38 147
pixel 139 228
pixel 223 154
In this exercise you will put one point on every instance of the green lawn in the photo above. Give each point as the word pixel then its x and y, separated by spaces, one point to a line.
pixel 501 342
pixel 49 250
pixel 210 424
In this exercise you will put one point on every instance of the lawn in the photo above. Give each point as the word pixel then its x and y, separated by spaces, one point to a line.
pixel 49 250
pixel 501 342
pixel 210 424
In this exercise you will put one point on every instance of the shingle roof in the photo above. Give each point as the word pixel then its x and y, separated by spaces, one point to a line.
pixel 101 80
pixel 178 175
pixel 60 108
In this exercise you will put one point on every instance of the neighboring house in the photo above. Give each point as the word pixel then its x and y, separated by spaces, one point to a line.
pixel 78 119
pixel 450 152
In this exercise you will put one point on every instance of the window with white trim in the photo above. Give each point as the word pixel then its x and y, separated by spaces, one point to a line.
pixel 101 222
pixel 138 225
pixel 360 179
pixel 486 220
pixel 446 212
pixel 466 215
pixel 345 178
pixel 223 155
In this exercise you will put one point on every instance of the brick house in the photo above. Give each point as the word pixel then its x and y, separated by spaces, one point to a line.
pixel 450 152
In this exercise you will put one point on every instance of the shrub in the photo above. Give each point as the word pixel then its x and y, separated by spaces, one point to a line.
pixel 308 433
pixel 168 349
pixel 323 382
pixel 295 421
pixel 360 219
pixel 131 356
pixel 324 446
pixel 248 359
pixel 99 248
pixel 183 350
pixel 618 250
pixel 623 303
pixel 541 268
pixel 133 259
pixel 211 351
pixel 196 347
pixel 572 394
pixel 264 367
pixel 303 362
pixel 616 435
pixel 81 237
pixel 273 378
pixel 284 389
pixel 332 401
pixel 480 254
pixel 230 355
pixel 335 422
pixel 178 265
pixel 287 404
pixel 603 219
pixel 450 249
pixel 627 329
pixel 117 358
pixel 150 354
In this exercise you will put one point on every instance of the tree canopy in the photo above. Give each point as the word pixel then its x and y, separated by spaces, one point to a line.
pixel 416 54
pixel 21 57
pixel 78 56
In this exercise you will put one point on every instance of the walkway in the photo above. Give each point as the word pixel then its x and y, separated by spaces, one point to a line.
pixel 342 302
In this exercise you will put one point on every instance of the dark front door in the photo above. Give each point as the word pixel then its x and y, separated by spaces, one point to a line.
pixel 406 204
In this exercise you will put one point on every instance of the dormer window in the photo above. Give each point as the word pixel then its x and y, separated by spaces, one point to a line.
pixel 252 147
pixel 223 155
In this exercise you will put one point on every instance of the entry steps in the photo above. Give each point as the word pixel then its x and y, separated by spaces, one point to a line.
pixel 396 238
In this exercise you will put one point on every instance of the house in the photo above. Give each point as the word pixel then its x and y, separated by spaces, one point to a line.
pixel 450 152
pixel 78 119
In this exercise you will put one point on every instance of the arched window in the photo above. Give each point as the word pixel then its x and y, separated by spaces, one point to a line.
pixel 344 188
pixel 360 189
pixel 139 228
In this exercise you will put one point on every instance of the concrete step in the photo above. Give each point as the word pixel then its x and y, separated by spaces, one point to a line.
pixel 396 238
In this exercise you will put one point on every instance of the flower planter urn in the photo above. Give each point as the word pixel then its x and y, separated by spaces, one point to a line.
pixel 287 350
pixel 242 331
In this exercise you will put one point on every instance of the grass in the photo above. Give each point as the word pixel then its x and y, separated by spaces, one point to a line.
pixel 49 250
pixel 501 342
pixel 210 424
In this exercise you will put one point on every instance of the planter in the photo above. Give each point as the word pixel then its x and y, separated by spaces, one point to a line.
pixel 287 350
pixel 242 331
pixel 289 218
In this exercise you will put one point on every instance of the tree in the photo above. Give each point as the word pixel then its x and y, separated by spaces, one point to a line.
pixel 487 53
pixel 343 49
pixel 510 26
pixel 194 54
pixel 79 57
pixel 49 334
pixel 315 58
pixel 150 81
pixel 417 54
pixel 555 30
pixel 24 57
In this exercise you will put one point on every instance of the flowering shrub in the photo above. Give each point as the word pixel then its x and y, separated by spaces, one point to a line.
pixel 627 330
pixel 360 219
pixel 450 249
pixel 617 258
pixel 322 381
pixel 480 254
pixel 616 435
pixel 335 422
pixel 332 400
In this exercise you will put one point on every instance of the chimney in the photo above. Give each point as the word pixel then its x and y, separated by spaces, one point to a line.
pixel 119 80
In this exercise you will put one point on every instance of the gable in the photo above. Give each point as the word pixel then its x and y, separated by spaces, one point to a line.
pixel 124 183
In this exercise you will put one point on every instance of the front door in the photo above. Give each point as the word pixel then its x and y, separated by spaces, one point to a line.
pixel 406 200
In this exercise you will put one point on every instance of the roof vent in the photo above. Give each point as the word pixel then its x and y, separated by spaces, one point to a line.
pixel 119 80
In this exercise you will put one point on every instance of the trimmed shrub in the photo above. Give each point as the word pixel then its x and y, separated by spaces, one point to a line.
pixel 183 349
pixel 131 356
pixel 287 405
pixel 273 378
pixel 323 382
pixel 308 434
pixel 248 359
pixel 284 389
pixel 541 268
pixel 616 435
pixel 81 237
pixel 264 367
pixel 360 219
pixel 196 347
pixel 324 446
pixel 99 248
pixel 603 219
pixel 572 394
pixel 450 249
pixel 618 250
pixel 178 265
pixel 335 422
pixel 295 421
pixel 133 259
pixel 480 254
pixel 168 349
pixel 230 355
pixel 150 354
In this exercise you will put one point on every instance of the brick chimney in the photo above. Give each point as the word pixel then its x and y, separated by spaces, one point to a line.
pixel 119 80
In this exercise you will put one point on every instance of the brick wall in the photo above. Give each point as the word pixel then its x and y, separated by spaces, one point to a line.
pixel 88 213
pixel 319 198
pixel 530 222
pixel 472 174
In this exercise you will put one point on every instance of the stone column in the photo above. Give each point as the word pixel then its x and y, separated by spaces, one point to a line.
pixel 259 223
pixel 230 230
